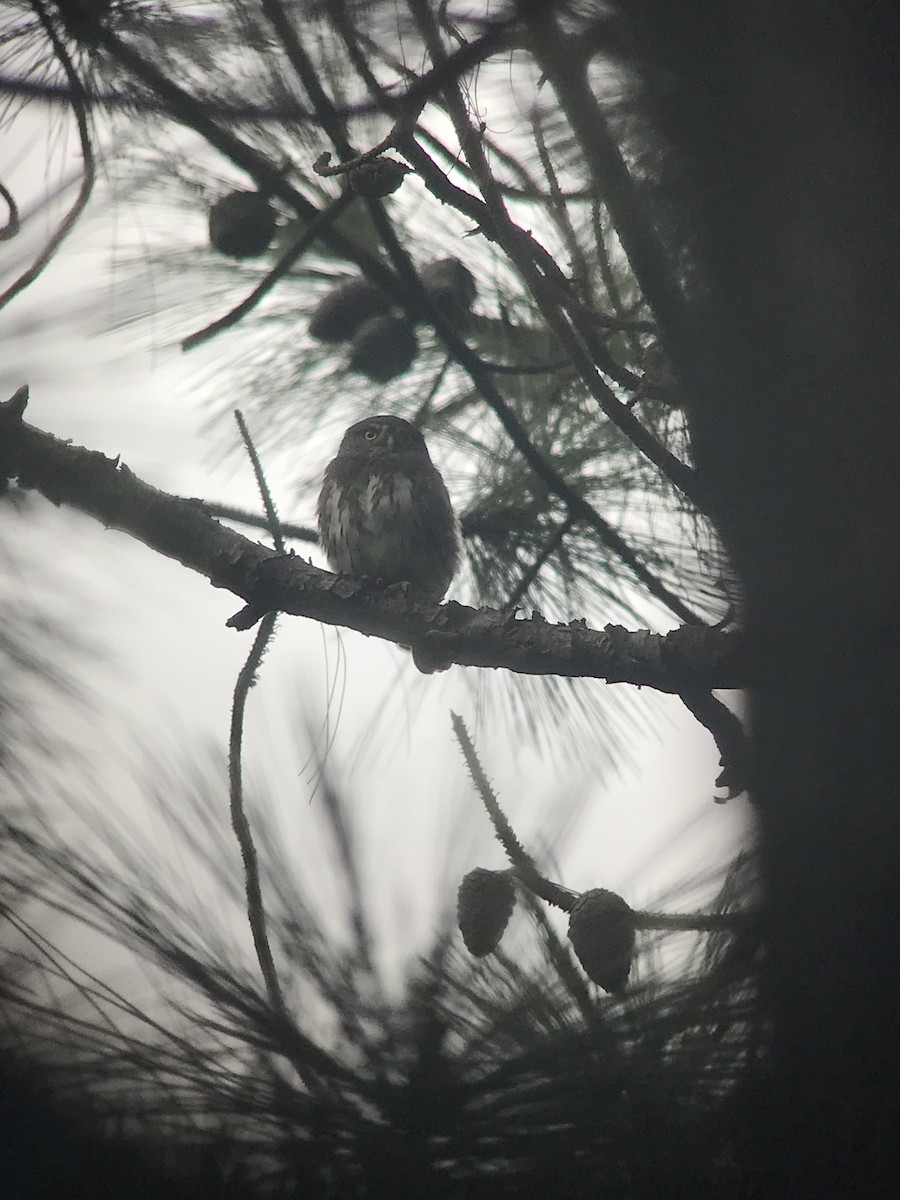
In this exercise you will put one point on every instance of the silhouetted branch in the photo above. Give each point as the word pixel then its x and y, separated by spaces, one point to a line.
pixel 550 547
pixel 578 507
pixel 87 155
pixel 524 865
pixel 272 522
pixel 11 228
pixel 553 293
pixel 127 101
pixel 527 872
pixel 565 67
pixel 729 736
pixel 103 488
pixel 256 913
pixel 190 112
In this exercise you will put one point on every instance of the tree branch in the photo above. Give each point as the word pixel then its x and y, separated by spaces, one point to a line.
pixel 186 110
pixel 549 286
pixel 689 657
pixel 11 228
pixel 529 874
pixel 79 111
pixel 554 54
pixel 578 507
pixel 124 99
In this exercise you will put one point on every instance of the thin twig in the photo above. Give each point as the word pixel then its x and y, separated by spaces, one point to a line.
pixel 553 53
pixel 547 368
pixel 524 864
pixel 693 922
pixel 529 189
pixel 233 110
pixel 426 404
pixel 561 897
pixel 256 913
pixel 272 521
pixel 337 13
pixel 78 97
pixel 557 207
pixel 300 533
pixel 11 228
pixel 239 823
pixel 534 570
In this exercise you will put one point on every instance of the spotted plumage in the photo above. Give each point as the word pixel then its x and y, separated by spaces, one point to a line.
pixel 384 511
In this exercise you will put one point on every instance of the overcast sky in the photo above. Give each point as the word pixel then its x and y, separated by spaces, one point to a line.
pixel 168 663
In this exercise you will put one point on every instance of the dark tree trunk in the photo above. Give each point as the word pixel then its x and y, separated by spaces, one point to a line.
pixel 786 117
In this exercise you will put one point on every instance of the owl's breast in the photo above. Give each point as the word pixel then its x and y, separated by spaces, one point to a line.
pixel 388 500
pixel 390 523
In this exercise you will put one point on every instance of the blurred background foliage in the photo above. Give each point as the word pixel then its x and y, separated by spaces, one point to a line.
pixel 506 1076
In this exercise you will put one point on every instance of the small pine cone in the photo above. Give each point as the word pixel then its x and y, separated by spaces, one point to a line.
pixel 383 347
pixel 601 930
pixel 378 177
pixel 484 904
pixel 338 315
pixel 451 288
pixel 241 224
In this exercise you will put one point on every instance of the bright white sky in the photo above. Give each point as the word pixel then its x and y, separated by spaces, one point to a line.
pixel 170 666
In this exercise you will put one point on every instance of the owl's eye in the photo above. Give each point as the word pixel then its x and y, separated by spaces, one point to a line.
pixel 370 435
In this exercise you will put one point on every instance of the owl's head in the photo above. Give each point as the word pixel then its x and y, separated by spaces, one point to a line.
pixel 383 434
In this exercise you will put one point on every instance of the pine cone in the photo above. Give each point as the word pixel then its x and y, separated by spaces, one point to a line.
pixel 601 930
pixel 338 315
pixel 241 224
pixel 485 902
pixel 451 288
pixel 378 177
pixel 383 347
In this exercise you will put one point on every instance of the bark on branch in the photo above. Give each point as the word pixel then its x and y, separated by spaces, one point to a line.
pixel 104 488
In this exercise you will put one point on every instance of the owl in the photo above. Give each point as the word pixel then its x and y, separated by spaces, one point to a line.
pixel 384 511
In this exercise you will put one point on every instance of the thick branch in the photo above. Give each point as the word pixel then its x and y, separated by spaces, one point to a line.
pixel 690 657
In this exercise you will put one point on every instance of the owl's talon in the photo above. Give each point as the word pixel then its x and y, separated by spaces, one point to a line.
pixel 402 587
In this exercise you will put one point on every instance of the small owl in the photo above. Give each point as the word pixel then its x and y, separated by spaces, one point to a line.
pixel 384 511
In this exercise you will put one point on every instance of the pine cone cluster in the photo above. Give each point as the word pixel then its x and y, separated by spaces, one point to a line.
pixel 383 344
